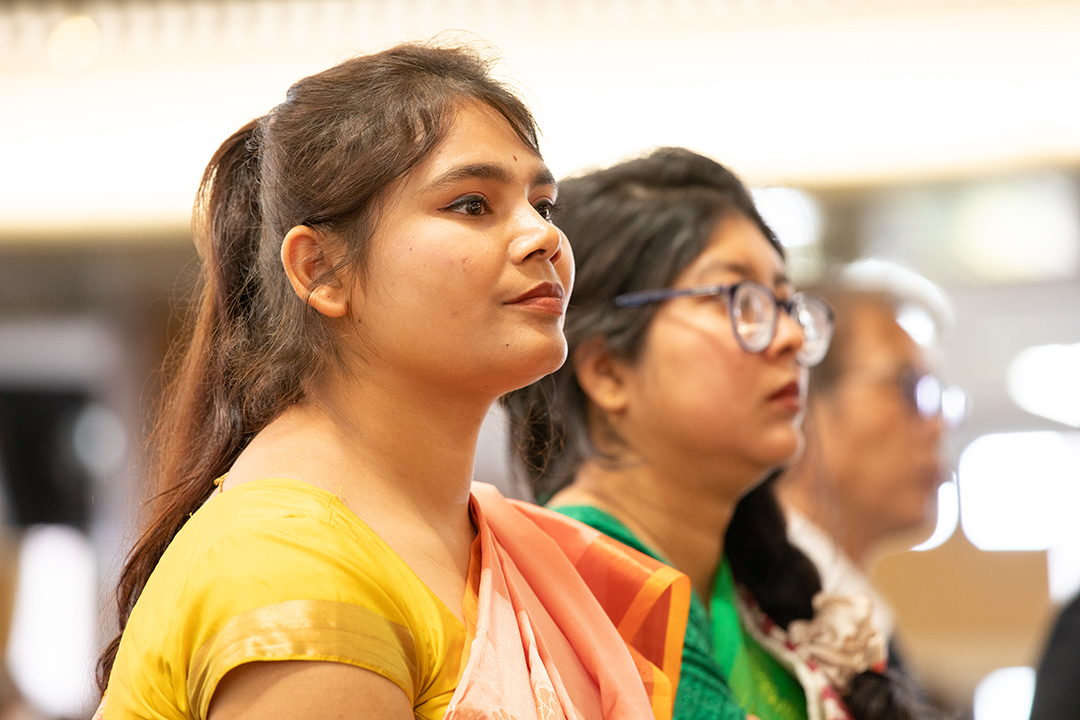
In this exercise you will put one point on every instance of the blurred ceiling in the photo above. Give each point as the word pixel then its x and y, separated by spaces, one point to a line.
pixel 109 110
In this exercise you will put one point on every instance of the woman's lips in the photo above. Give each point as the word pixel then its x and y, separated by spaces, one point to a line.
pixel 790 396
pixel 545 297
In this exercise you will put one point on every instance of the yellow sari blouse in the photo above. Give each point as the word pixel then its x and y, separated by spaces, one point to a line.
pixel 280 570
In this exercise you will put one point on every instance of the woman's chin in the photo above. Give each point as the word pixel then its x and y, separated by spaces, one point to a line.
pixel 785 449
pixel 541 371
pixel 526 368
pixel 546 358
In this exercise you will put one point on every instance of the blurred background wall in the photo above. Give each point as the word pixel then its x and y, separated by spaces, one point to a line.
pixel 940 134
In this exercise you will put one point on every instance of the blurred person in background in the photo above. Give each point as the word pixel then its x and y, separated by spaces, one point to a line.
pixel 1057 678
pixel 872 462
pixel 689 351
pixel 379 266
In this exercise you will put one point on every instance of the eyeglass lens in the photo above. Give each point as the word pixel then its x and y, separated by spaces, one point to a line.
pixel 930 399
pixel 753 312
pixel 927 396
pixel 754 315
pixel 813 316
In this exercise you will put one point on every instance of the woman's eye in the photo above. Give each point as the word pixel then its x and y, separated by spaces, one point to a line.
pixel 471 205
pixel 546 209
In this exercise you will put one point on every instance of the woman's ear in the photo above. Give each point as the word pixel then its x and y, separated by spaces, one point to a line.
pixel 601 375
pixel 309 257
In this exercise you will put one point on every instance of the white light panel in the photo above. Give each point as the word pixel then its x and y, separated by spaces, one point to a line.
pixel 1019 491
pixel 1005 694
pixel 1045 381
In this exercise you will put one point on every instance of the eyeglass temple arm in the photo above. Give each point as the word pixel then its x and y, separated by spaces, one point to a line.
pixel 644 297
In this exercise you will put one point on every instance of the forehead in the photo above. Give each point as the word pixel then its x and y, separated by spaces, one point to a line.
pixel 877 339
pixel 737 250
pixel 478 133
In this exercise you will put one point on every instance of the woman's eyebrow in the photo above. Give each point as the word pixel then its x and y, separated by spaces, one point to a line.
pixel 543 176
pixel 485 171
pixel 778 280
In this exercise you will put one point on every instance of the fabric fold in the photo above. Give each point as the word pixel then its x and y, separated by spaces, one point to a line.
pixel 569 623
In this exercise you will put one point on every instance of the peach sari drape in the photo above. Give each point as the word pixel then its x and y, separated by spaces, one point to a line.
pixel 565 622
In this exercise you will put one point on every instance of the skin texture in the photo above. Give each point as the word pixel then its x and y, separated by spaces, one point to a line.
pixel 430 334
pixel 285 690
pixel 698 418
pixel 872 465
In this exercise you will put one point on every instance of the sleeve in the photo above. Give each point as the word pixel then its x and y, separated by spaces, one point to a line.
pixel 293 589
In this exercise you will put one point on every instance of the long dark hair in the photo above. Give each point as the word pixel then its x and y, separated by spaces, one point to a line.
pixel 323 158
pixel 637 226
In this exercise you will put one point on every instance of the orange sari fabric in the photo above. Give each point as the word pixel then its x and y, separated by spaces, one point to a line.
pixel 564 622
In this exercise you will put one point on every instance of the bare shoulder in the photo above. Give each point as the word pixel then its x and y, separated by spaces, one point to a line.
pixel 307 689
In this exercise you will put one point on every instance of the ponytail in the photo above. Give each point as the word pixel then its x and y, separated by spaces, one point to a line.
pixel 885 696
pixel 199 431
pixel 777 574
pixel 783 582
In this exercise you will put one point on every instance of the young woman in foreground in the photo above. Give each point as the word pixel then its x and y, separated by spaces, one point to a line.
pixel 689 353
pixel 380 265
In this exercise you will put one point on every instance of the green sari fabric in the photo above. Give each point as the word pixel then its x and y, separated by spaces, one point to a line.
pixel 763 686
pixel 724 670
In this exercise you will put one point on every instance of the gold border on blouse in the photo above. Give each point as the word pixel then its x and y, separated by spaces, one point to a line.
pixel 305 630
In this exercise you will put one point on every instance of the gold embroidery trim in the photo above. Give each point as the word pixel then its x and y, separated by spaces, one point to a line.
pixel 305 630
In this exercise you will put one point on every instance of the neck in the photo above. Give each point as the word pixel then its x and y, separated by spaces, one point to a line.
pixel 683 520
pixel 381 447
pixel 416 442
pixel 807 488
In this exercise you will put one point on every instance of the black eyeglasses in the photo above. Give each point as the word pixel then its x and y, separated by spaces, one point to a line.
pixel 754 311
pixel 927 396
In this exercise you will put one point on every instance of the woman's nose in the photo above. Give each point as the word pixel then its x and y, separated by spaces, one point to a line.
pixel 790 334
pixel 936 426
pixel 537 238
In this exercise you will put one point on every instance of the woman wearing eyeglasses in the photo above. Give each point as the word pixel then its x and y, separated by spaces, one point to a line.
pixel 872 464
pixel 689 351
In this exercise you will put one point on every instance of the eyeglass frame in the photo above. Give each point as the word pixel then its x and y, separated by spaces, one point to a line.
pixel 646 297
pixel 924 393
